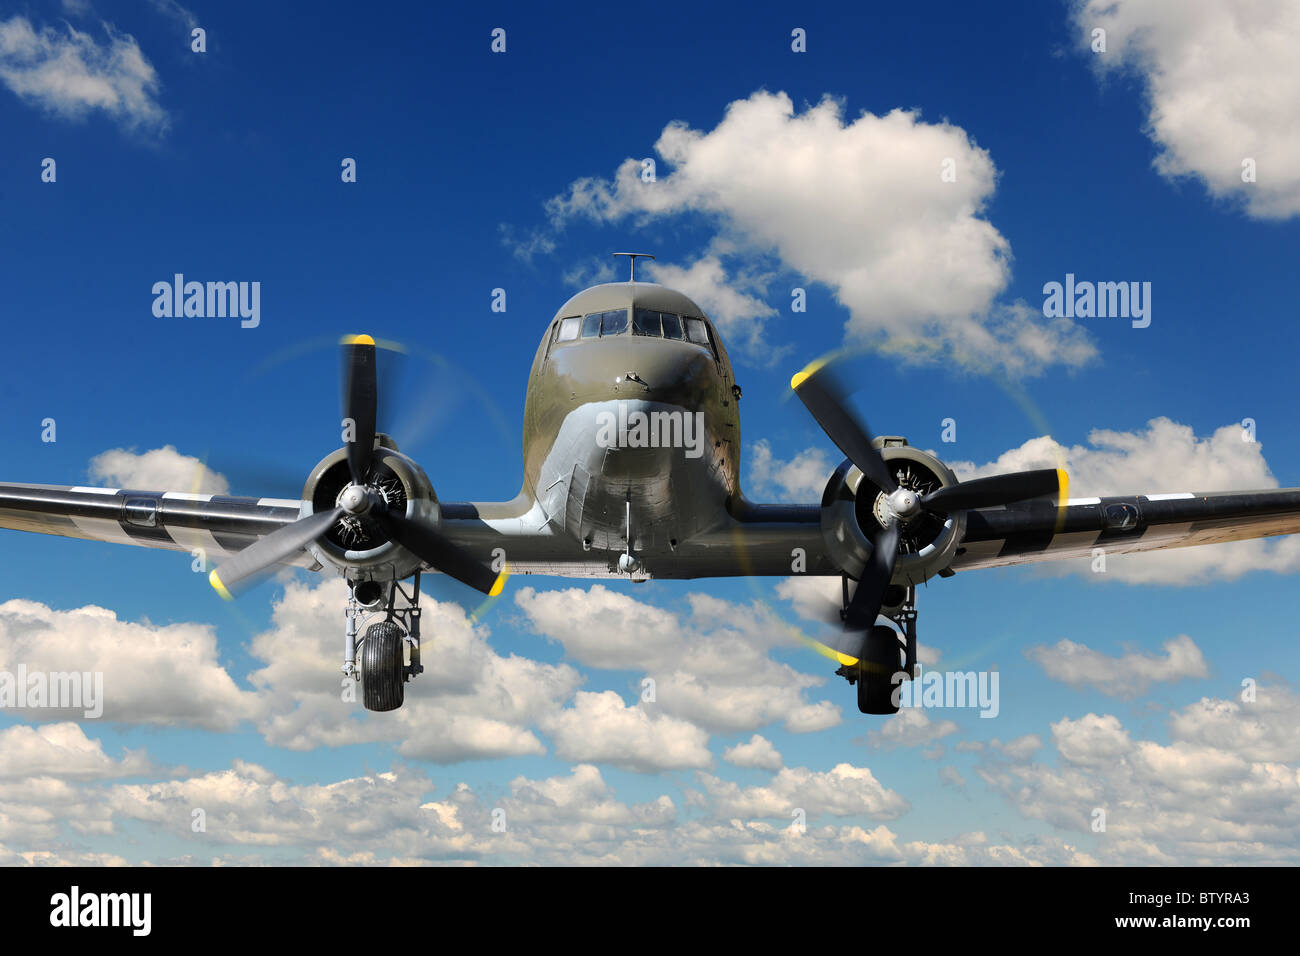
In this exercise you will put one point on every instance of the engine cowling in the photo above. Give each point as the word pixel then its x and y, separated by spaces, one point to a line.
pixel 355 545
pixel 853 516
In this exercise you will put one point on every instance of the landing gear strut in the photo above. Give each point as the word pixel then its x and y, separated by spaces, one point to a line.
pixel 383 670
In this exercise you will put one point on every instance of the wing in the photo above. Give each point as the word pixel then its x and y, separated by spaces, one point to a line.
pixel 219 525
pixel 1039 531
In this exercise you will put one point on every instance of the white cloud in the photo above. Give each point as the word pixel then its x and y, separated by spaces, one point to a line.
pixel 600 728
pixel 911 727
pixel 1222 85
pixel 1266 729
pixel 152 674
pixel 1217 793
pixel 859 206
pixel 844 790
pixel 159 469
pixel 63 751
pixel 1128 675
pixel 801 478
pixel 71 74
pixel 1163 457
pixel 174 11
pixel 757 752
pixel 950 776
pixel 711 666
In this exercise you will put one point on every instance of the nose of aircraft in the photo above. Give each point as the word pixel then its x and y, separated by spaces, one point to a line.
pixel 642 369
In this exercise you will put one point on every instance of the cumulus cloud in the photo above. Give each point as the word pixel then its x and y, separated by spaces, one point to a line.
pixel 1222 86
pixel 911 727
pixel 601 728
pixel 1218 792
pixel 159 469
pixel 1165 456
pixel 757 752
pixel 70 73
pixel 402 817
pixel 63 751
pixel 844 790
pixel 801 478
pixel 1128 675
pixel 152 674
pixel 1265 729
pixel 859 205
pixel 711 666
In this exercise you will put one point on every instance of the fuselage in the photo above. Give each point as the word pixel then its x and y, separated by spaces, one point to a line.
pixel 631 420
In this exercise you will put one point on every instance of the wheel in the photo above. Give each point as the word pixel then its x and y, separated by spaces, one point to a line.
pixel 881 659
pixel 382 680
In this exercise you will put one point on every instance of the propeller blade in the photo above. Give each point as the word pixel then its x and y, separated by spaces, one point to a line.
pixel 998 490
pixel 864 607
pixel 432 547
pixel 827 401
pixel 360 402
pixel 270 550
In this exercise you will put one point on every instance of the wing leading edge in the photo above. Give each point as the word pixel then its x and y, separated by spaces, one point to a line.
pixel 216 524
pixel 1038 531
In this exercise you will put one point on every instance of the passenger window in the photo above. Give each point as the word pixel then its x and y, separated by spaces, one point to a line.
pixel 612 323
pixel 591 326
pixel 697 331
pixel 645 322
pixel 568 329
pixel 672 326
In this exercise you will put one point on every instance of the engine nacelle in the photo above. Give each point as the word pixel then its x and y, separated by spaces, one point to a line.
pixel 353 545
pixel 853 515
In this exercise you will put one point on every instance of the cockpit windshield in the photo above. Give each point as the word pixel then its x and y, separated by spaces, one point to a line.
pixel 649 323
pixel 668 325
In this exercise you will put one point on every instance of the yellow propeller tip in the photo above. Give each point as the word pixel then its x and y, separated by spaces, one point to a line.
pixel 838 656
pixel 809 370
pixel 218 586
pixel 1063 479
pixel 358 340
pixel 499 584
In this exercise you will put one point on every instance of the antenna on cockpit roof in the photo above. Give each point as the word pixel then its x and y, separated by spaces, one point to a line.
pixel 632 258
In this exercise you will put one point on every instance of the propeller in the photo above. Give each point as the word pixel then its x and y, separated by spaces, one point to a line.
pixel 360 402
pixel 825 396
pixel 360 409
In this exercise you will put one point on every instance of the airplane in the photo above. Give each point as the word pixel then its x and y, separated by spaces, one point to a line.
pixel 631 441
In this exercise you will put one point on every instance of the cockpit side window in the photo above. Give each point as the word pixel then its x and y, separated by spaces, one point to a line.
pixel 614 322
pixel 696 331
pixel 568 329
pixel 645 322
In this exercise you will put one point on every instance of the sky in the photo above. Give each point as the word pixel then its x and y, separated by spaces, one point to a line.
pixel 921 178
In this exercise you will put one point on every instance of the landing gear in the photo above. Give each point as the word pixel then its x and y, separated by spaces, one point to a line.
pixel 877 667
pixel 383 670
pixel 383 667
pixel 886 656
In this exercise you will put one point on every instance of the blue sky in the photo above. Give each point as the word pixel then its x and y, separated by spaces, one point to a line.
pixel 226 165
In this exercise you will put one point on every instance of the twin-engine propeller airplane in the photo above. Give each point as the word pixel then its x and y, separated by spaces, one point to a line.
pixel 631 469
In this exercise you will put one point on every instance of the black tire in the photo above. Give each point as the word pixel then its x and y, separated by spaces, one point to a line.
pixel 882 658
pixel 382 679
